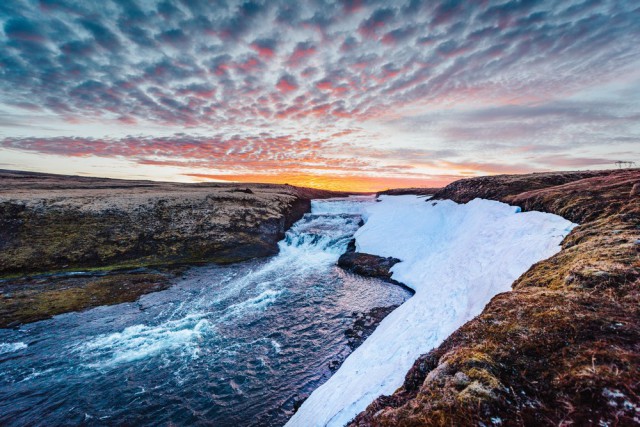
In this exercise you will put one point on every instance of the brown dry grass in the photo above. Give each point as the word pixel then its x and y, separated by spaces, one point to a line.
pixel 563 348
pixel 56 223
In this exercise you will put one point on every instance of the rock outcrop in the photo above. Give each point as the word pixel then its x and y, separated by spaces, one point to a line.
pixel 369 265
pixel 51 222
pixel 562 348
pixel 366 264
pixel 497 187
pixel 123 231
pixel 364 323
pixel 29 299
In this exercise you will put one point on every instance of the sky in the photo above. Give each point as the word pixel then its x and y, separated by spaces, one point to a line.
pixel 350 95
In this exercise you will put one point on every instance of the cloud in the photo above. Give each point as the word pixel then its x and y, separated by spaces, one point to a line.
pixel 266 48
pixel 564 161
pixel 378 20
pixel 514 49
pixel 287 83
pixel 103 37
pixel 223 152
pixel 274 155
pixel 302 52
pixel 551 126
pixel 23 30
pixel 469 73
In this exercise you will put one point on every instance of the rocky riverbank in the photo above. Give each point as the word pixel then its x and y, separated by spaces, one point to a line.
pixel 32 298
pixel 564 346
pixel 404 191
pixel 57 224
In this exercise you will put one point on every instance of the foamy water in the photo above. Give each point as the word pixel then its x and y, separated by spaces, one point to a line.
pixel 10 347
pixel 228 345
pixel 456 257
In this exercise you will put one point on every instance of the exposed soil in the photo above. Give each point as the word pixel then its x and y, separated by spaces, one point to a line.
pixel 563 348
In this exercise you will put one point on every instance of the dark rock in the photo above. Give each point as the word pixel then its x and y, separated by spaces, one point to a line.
pixel 365 323
pixel 297 403
pixel 351 246
pixel 367 265
pixel 242 190
pixel 334 365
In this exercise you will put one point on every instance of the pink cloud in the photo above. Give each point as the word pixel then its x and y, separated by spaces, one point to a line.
pixel 286 84
pixel 300 54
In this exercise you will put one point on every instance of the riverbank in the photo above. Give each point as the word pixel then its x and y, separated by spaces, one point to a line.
pixel 54 224
pixel 562 346
pixel 447 254
pixel 227 345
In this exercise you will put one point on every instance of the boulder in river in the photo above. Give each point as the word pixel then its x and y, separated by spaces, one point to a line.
pixel 367 265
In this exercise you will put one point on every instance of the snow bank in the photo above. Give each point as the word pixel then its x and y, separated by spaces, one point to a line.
pixel 456 258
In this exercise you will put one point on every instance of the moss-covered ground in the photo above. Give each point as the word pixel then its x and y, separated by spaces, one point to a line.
pixel 563 348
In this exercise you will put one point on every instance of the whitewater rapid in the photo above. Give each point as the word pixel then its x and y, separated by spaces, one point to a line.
pixel 232 345
pixel 456 257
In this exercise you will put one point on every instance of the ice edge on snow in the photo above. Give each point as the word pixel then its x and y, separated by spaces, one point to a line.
pixel 456 257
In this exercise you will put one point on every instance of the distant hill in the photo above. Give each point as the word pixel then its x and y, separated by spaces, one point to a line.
pixel 419 191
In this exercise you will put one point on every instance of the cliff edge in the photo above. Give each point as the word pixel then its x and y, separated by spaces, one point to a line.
pixel 52 224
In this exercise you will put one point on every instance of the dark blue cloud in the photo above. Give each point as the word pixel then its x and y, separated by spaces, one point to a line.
pixel 101 34
pixel 353 57
pixel 449 10
pixel 174 37
pixel 377 20
pixel 168 10
pixel 22 29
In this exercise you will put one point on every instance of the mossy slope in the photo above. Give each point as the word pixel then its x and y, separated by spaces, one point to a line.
pixel 563 348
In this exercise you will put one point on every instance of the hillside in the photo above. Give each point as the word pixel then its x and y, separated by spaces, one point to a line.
pixel 564 346
pixel 52 224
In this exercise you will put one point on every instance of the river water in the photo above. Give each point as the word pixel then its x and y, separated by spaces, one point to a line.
pixel 232 345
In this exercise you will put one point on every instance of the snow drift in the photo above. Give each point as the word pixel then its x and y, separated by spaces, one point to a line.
pixel 456 257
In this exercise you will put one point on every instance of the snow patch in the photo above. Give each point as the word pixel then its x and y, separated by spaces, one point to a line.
pixel 456 257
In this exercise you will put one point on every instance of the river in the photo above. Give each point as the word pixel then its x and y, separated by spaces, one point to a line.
pixel 233 345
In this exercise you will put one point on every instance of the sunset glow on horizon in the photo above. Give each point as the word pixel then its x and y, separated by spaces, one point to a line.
pixel 355 184
pixel 344 95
